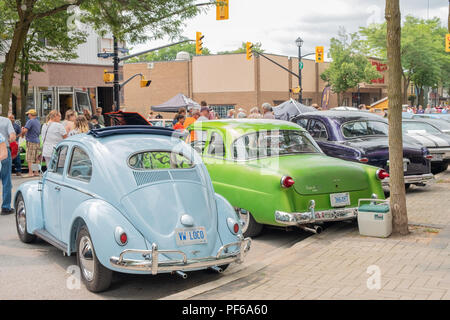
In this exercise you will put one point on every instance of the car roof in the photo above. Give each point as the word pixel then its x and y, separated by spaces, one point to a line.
pixel 124 139
pixel 343 116
pixel 243 125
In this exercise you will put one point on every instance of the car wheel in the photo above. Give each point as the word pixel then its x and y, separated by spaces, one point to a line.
pixel 95 276
pixel 21 221
pixel 250 227
pixel 438 168
pixel 407 186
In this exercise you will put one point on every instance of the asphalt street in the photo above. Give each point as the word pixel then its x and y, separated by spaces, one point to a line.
pixel 40 271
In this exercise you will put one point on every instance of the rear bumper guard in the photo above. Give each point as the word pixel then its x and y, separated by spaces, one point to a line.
pixel 151 259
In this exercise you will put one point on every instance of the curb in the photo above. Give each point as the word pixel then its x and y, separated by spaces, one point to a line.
pixel 245 271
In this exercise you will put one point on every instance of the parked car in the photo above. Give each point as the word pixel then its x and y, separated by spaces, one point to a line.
pixel 442 116
pixel 363 137
pixel 131 199
pixel 274 174
pixel 166 123
pixel 437 142
pixel 439 124
pixel 22 154
pixel 344 108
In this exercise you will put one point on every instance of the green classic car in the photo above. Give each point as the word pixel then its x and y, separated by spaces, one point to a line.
pixel 273 173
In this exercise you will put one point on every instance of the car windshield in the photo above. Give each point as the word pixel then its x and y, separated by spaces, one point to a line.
pixel 355 129
pixel 271 143
pixel 159 160
pixel 418 127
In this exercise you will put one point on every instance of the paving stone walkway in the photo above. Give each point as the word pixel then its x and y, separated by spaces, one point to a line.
pixel 341 264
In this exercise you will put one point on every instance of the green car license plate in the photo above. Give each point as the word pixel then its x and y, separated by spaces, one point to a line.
pixel 190 236
pixel 340 199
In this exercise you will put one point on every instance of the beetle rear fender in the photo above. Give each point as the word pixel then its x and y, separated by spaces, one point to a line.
pixel 32 198
pixel 224 212
pixel 102 219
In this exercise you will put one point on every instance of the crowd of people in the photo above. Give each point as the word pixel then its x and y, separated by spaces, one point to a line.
pixel 429 109
pixel 185 117
pixel 40 142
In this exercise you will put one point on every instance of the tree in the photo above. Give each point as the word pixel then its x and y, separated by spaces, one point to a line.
pixel 243 48
pixel 423 57
pixel 349 65
pixel 396 180
pixel 128 20
pixel 49 39
pixel 168 54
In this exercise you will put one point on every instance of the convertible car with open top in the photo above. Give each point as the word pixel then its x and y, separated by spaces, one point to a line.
pixel 133 199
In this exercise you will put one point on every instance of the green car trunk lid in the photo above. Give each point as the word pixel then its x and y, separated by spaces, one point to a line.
pixel 319 174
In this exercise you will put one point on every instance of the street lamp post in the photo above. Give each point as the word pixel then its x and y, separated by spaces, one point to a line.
pixel 299 43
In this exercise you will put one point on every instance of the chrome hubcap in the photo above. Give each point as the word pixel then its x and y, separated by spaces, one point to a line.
pixel 244 216
pixel 21 217
pixel 86 253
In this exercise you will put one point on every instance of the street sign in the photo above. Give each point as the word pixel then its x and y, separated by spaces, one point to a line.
pixel 105 55
pixel 300 65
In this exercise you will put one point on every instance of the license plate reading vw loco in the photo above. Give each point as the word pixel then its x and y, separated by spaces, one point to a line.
pixel 189 236
pixel 340 199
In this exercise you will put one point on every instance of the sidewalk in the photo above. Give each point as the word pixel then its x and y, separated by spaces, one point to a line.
pixel 334 264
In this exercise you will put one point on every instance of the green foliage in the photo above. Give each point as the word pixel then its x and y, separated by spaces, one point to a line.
pixel 243 48
pixel 349 65
pixel 424 60
pixel 168 54
pixel 50 39
pixel 140 20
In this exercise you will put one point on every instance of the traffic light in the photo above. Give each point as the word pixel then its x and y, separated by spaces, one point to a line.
pixel 199 43
pixel 222 9
pixel 296 89
pixel 319 54
pixel 249 48
pixel 145 83
pixel 447 42
pixel 108 76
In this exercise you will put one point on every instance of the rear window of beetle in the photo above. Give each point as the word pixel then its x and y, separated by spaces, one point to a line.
pixel 159 160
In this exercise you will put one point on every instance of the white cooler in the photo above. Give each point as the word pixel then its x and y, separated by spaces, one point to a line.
pixel 374 218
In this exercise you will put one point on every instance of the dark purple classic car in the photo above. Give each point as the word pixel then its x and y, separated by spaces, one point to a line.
pixel 363 137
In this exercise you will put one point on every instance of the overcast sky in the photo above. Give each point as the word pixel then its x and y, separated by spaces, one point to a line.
pixel 277 24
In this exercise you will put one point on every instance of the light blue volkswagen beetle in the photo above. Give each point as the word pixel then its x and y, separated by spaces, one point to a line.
pixel 132 199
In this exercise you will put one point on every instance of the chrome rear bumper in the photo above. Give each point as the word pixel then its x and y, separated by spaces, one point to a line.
pixel 151 259
pixel 439 154
pixel 300 218
pixel 422 178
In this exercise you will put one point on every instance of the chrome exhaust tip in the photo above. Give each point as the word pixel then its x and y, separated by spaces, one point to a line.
pixel 318 229
pixel 216 269
pixel 315 229
pixel 181 274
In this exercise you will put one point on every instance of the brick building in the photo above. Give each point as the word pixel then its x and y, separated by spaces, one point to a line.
pixel 231 81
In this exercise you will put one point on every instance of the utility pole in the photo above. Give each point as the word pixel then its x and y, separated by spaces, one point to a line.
pixel 116 75
pixel 299 43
